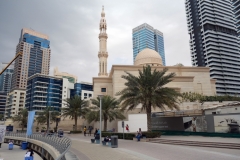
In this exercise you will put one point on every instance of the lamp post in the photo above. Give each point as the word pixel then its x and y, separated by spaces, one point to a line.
pixel 100 135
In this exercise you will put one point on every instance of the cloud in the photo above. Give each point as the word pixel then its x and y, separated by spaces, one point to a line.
pixel 73 28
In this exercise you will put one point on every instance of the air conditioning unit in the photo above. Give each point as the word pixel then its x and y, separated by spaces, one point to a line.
pixel 218 111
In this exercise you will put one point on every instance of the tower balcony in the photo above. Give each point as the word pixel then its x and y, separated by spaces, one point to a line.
pixel 103 54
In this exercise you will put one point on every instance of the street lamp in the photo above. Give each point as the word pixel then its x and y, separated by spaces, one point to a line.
pixel 100 97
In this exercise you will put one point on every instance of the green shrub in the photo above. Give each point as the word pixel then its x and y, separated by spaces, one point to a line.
pixel 151 134
pixel 131 135
pixel 75 132
pixel 128 136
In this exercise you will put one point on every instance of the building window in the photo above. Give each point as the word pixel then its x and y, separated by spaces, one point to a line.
pixel 90 95
pixel 85 94
pixel 103 90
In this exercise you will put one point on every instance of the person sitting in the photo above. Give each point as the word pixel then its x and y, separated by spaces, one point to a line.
pixel 107 139
pixel 96 131
pixel 60 133
pixel 138 135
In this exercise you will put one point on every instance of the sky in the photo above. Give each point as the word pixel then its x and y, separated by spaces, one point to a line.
pixel 73 28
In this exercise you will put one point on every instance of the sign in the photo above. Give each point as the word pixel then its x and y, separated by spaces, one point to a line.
pixel 2 132
pixel 31 115
pixel 122 124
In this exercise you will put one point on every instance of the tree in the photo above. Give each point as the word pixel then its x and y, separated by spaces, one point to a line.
pixel 148 89
pixel 43 116
pixel 21 117
pixel 1 117
pixel 110 110
pixel 75 108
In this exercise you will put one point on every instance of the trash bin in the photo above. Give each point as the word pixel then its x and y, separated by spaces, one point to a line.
pixel 24 145
pixel 10 146
pixel 114 141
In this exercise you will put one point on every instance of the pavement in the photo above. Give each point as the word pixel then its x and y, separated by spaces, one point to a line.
pixel 15 154
pixel 83 149
pixel 203 139
pixel 133 150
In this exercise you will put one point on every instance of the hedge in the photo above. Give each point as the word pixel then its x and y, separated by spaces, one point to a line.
pixel 75 132
pixel 151 134
pixel 120 135
pixel 130 136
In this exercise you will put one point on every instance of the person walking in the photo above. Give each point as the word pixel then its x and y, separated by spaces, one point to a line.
pixel 127 128
pixel 90 130
pixel 85 130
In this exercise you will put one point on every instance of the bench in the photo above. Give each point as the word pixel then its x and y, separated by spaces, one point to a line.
pixel 104 143
pixel 144 139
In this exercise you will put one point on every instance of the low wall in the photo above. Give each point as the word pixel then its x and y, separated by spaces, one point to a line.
pixel 45 150
pixel 50 147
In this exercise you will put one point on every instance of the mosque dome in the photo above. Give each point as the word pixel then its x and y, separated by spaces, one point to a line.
pixel 148 57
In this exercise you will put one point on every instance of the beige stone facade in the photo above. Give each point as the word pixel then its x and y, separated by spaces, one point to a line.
pixel 15 102
pixel 188 79
pixel 72 78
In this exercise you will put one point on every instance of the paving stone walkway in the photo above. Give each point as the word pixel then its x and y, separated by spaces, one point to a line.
pixel 127 150
pixel 15 154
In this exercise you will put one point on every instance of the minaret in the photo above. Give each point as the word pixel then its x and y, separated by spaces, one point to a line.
pixel 103 54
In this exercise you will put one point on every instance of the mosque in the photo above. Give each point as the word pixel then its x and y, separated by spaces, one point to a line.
pixel 188 79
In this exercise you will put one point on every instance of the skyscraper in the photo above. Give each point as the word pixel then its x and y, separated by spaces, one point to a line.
pixel 145 36
pixel 236 11
pixel 214 42
pixel 35 58
pixel 35 48
pixel 103 54
pixel 6 78
pixel 43 91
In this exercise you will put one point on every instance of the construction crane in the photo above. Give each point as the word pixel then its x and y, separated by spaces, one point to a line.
pixel 19 54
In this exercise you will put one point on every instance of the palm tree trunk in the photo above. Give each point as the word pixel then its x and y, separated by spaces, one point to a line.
pixel 105 124
pixel 149 119
pixel 75 122
pixel 47 125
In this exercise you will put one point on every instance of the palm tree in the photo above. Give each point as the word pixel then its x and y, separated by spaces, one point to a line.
pixel 75 108
pixel 110 110
pixel 1 117
pixel 148 89
pixel 21 117
pixel 46 116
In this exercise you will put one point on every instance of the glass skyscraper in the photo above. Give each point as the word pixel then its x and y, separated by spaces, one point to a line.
pixel 213 27
pixel 36 52
pixel 82 89
pixel 43 91
pixel 145 36
pixel 6 78
pixel 236 11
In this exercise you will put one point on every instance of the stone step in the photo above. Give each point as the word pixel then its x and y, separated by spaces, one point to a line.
pixel 197 143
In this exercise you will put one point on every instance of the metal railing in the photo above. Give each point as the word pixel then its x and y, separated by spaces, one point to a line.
pixel 62 144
